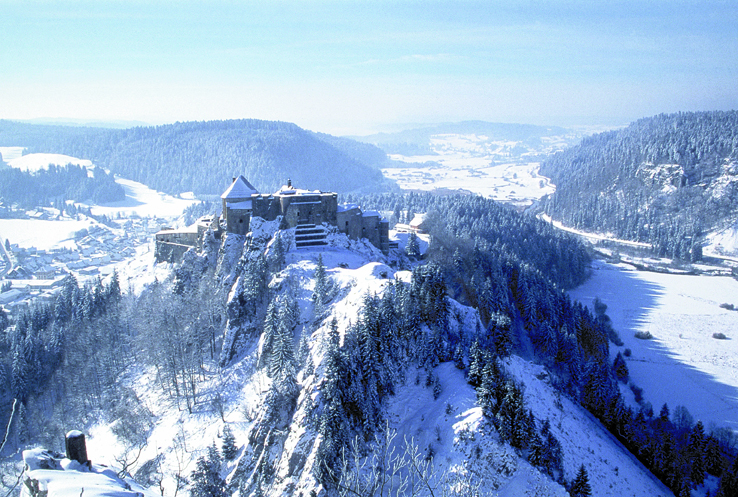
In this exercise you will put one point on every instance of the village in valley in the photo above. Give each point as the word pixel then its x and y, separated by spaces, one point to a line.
pixel 41 247
pixel 32 272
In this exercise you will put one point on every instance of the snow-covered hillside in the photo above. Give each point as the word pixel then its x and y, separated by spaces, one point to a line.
pixel 43 234
pixel 468 455
pixel 140 200
pixel 10 153
pixel 36 162
pixel 723 242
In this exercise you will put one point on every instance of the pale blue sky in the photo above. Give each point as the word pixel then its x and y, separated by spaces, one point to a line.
pixel 357 67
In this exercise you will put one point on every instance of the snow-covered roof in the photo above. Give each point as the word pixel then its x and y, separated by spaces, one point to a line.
pixel 244 205
pixel 187 229
pixel 240 188
pixel 371 214
pixel 290 190
pixel 347 207
pixel 417 220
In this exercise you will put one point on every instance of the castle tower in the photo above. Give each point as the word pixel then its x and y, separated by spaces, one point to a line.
pixel 237 205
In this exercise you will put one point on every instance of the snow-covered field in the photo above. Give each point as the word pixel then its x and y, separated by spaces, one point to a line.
pixel 723 242
pixel 142 201
pixel 471 163
pixel 10 153
pixel 682 364
pixel 35 162
pixel 41 234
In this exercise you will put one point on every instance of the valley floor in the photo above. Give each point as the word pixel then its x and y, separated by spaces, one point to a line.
pixel 682 364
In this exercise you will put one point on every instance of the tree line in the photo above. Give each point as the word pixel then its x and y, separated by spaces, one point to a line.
pixel 57 184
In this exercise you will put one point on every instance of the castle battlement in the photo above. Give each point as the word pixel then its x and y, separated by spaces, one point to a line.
pixel 298 208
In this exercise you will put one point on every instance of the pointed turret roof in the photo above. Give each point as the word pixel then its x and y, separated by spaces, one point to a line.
pixel 239 189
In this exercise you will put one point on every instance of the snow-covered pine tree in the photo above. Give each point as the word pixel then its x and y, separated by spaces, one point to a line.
pixel 512 419
pixel 476 364
pixel 268 336
pixel 499 330
pixel 230 451
pixel 282 360
pixel 205 479
pixel 276 253
pixel 729 482
pixel 620 368
pixel 580 486
pixel 412 248
pixel 320 293
pixel 696 453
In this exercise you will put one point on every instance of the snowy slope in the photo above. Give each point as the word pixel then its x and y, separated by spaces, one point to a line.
pixel 36 162
pixel 142 201
pixel 612 470
pixel 10 153
pixel 452 424
pixel 723 242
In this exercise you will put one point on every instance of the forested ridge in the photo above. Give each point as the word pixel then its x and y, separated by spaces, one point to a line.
pixel 204 156
pixel 512 269
pixel 56 184
pixel 664 180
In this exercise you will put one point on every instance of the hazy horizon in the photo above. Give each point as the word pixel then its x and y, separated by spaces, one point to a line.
pixel 359 68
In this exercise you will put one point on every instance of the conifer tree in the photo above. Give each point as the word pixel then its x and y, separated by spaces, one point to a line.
pixel 580 486
pixel 459 357
pixel 321 288
pixel 696 453
pixel 714 462
pixel 535 456
pixel 206 480
pixel 476 364
pixel 230 451
pixel 276 254
pixel 412 248
pixel 729 482
pixel 620 368
pixel 512 419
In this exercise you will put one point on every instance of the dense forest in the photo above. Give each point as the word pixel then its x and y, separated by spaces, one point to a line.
pixel 665 180
pixel 56 184
pixel 512 269
pixel 204 156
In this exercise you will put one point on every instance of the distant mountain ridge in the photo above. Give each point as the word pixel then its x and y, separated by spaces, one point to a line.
pixel 664 180
pixel 416 141
pixel 203 156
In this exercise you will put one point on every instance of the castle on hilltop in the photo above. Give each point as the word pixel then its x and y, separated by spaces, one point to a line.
pixel 306 211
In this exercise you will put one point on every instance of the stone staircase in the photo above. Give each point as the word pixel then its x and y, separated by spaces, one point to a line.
pixel 309 235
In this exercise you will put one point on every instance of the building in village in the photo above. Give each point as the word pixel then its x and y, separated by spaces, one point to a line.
pixel 306 211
